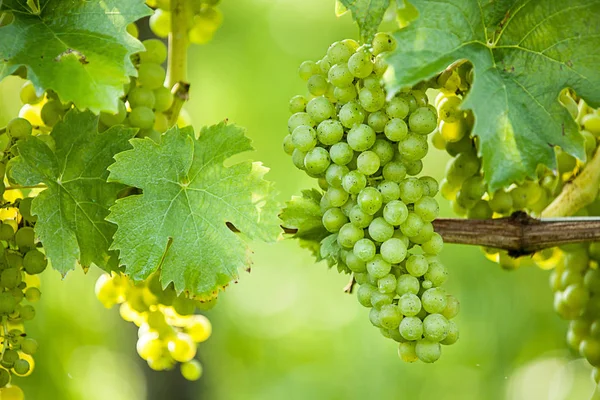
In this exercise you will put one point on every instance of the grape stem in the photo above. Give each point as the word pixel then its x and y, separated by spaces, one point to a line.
pixel 180 92
pixel 349 288
pixel 178 43
pixel 578 193
pixel 519 234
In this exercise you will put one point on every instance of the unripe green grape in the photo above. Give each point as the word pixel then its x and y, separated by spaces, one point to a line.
pixel 383 42
pixel 434 245
pixel 340 76
pixel 29 346
pixel 352 114
pixel 371 100
pixel 412 225
pixel 52 112
pixel 337 197
pixel 349 234
pixel 380 65
pixel 380 230
pixel 434 300
pixel 409 304
pixel 27 313
pixel 411 328
pixel 396 130
pixel 428 351
pixel 378 300
pixel 21 367
pixel 33 294
pixel 387 284
pixel 422 121
pixel 308 69
pixel 576 296
pixel 435 327
pixel 449 109
pixel 364 249
pixel 334 219
pixel 374 315
pixel 397 108
pixel 160 23
pixel 390 316
pixel 368 163
pixel 10 278
pixel 316 160
pixel 452 336
pixel 411 190
pixel 182 348
pixel 360 64
pixel 320 109
pixel 339 52
pixel 6 232
pixel 34 262
pixel 427 208
pixel 364 294
pixel 394 171
pixel 359 218
pixel 370 200
pixel 317 85
pixel 414 167
pixel 19 128
pixel 407 284
pixel 151 75
pixel 591 279
pixel 378 267
pixel 341 153
pixel 590 349
pixel 335 175
pixel 389 190
pixel 501 202
pixel 142 117
pixel 417 265
pixel 4 377
pixel 354 263
pixel 5 142
pixel 112 119
pixel 141 97
pixel 299 119
pixel 346 94
pixel 413 147
pixel 591 123
pixel 378 121
pixel 384 150
pixel 297 104
pixel 324 65
pixel 156 51
pixel 407 353
pixel 163 99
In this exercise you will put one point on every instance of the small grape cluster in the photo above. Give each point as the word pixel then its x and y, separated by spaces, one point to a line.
pixel 203 22
pixel 20 263
pixel 146 99
pixel 365 151
pixel 169 330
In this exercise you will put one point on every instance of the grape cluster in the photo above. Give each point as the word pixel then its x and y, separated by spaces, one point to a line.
pixel 202 24
pixel 365 150
pixel 169 330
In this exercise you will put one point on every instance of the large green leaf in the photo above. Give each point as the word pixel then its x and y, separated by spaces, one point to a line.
pixel 72 209
pixel 80 49
pixel 368 14
pixel 182 221
pixel 524 52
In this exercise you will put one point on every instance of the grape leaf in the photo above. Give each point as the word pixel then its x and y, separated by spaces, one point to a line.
pixel 524 52
pixel 189 218
pixel 71 210
pixel 79 49
pixel 368 14
pixel 303 214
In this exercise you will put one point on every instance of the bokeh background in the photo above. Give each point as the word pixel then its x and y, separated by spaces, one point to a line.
pixel 286 330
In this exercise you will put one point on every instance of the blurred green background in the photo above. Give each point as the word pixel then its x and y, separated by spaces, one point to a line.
pixel 287 331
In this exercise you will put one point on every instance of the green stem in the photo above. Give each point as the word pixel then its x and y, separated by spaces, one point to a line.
pixel 578 193
pixel 2 130
pixel 178 43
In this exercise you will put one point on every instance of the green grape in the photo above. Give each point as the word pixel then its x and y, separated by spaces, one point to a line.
pixel 412 225
pixel 4 142
pixel 380 230
pixel 156 51
pixel 407 284
pixel 109 119
pixel 141 97
pixel 25 238
pixel 335 174
pixel 28 94
pixel 378 121
pixel 590 349
pixel 304 138
pixel 337 197
pixel 334 219
pixel 383 42
pixel 10 278
pixel 374 316
pixel 297 104
pixel 435 327
pixel 389 190
pixel 191 370
pixel 18 128
pixel 182 348
pixel 501 202
pixel 397 108
pixel 341 153
pixel 417 265
pixel 384 150
pixel 364 294
pixel 434 245
pixel 396 130
pixel 299 119
pixel 340 76
pixel 394 171
pixel 427 351
pixel 414 167
pixel 320 109
pixel 316 160
pixel 142 117
pixel 413 147
pixel 378 267
pixel 422 121
pixel 317 85
pixel 27 313
pixel 390 316
pixel 449 109
pixel 329 132
pixel 427 208
pixel 378 300
pixel 370 200
pixel 346 94
pixel 368 163
pixel 308 69
pixel 21 367
pixel 352 114
pixel 349 234
pixel 371 100
pixel 355 264
pixel 393 250
pixel 4 377
pixel 52 112
pixel 163 99
pixel 364 249
pixel 359 218
pixel 360 64
pixel 434 300
pixel 406 352
pixel 324 65
pixel 411 328
pixel 452 336
pixel 151 75
pixel 29 346
pixel 576 296
pixel 339 52
pixel 411 190
pixel 409 305
pixel 160 23
pixel 33 294
pixel 387 284
pixel 34 262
